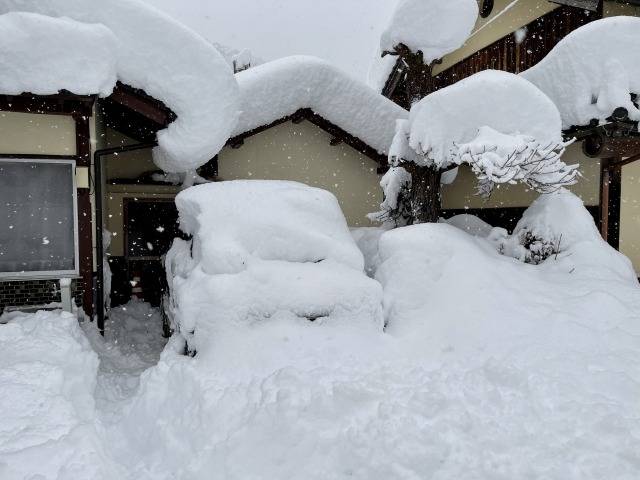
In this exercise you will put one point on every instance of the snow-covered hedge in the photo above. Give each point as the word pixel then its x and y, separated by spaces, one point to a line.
pixel 592 71
pixel 265 252
pixel 145 49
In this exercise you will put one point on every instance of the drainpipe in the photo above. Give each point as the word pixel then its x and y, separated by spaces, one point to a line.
pixel 97 163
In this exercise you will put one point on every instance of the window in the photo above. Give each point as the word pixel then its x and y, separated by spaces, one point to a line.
pixel 38 219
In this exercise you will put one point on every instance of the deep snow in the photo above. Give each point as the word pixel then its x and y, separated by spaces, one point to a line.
pixel 152 52
pixel 489 368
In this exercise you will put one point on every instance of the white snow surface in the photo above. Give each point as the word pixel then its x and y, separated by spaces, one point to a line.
pixel 433 27
pixel 489 369
pixel 276 89
pixel 592 71
pixel 33 46
pixel 501 101
pixel 152 52
pixel 48 428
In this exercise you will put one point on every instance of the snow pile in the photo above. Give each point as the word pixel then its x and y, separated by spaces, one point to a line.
pixel 490 368
pixel 265 252
pixel 433 27
pixel 48 374
pixel 277 89
pixel 592 71
pixel 151 52
pixel 31 49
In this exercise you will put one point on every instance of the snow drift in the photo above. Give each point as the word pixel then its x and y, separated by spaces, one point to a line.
pixel 276 89
pixel 592 71
pixel 148 49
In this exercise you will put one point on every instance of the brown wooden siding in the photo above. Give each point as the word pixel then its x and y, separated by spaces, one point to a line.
pixel 506 54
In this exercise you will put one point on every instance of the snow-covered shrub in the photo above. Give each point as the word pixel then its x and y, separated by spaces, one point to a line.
pixel 592 71
pixel 47 379
pixel 501 125
pixel 265 251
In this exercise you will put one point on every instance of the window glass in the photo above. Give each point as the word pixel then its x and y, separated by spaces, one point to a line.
pixel 37 217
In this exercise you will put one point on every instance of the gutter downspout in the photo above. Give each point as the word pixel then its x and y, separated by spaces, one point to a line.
pixel 97 165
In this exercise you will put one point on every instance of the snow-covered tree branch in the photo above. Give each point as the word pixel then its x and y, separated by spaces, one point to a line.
pixel 499 124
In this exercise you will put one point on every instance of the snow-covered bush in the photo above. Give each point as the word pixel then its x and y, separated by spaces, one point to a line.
pixel 593 71
pixel 47 378
pixel 265 251
pixel 501 125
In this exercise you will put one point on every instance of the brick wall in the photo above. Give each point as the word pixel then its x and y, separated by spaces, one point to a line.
pixel 36 292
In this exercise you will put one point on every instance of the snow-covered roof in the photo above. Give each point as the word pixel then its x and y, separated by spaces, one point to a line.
pixel 592 71
pixel 152 52
pixel 434 27
pixel 277 89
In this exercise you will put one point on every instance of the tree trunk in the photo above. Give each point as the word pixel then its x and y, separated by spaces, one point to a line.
pixel 425 193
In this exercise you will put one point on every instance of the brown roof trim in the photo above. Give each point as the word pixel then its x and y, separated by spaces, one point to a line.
pixel 63 103
pixel 138 101
pixel 339 135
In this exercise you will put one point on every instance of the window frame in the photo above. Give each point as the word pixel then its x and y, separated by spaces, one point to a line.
pixel 49 274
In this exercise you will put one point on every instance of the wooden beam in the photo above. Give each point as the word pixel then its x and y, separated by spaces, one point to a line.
pixel 143 104
pixel 60 104
pixel 85 224
pixel 610 198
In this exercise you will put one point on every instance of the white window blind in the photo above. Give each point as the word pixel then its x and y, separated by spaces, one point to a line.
pixel 38 221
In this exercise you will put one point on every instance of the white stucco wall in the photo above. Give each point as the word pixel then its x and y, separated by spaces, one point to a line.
pixel 630 213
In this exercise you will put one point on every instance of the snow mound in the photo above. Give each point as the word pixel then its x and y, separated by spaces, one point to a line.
pixel 558 224
pixel 276 89
pixel 152 52
pixel 31 49
pixel 265 251
pixel 470 224
pixel 592 71
pixel 433 27
pixel 443 122
pixel 47 380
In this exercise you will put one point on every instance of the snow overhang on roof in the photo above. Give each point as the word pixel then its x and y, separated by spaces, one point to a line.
pixel 280 88
pixel 135 44
pixel 593 71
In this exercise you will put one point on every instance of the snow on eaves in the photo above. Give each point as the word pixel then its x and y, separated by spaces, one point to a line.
pixel 434 27
pixel 279 88
pixel 593 71
pixel 30 51
pixel 152 52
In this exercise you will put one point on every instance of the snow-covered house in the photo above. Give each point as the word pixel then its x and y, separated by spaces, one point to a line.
pixel 76 79
pixel 520 37
pixel 137 132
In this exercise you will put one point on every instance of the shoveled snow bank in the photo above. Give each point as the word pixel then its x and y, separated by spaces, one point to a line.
pixel 152 52
pixel 593 71
pixel 431 26
pixel 264 252
pixel 276 89
pixel 47 378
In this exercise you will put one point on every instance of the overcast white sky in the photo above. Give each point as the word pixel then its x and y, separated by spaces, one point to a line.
pixel 345 32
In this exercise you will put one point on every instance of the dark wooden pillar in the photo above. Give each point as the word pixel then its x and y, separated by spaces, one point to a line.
pixel 85 226
pixel 610 197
